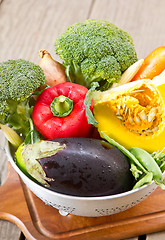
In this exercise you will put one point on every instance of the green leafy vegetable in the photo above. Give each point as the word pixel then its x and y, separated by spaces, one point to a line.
pixel 33 135
pixel 87 103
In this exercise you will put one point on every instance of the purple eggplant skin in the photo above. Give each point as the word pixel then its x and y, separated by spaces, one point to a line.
pixel 88 168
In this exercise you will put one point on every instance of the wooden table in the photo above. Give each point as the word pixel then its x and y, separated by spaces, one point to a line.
pixel 28 26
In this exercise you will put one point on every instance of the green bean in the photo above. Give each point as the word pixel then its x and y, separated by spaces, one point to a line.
pixel 144 180
pixel 162 167
pixel 135 171
pixel 123 150
pixel 148 162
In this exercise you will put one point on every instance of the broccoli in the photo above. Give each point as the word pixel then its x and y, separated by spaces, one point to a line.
pixel 95 50
pixel 18 80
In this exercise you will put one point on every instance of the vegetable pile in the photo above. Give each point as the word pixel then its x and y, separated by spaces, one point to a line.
pixel 93 125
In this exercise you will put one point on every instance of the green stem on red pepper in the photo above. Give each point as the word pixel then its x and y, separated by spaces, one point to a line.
pixel 61 106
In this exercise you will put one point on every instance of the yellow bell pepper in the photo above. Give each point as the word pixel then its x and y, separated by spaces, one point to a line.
pixel 134 114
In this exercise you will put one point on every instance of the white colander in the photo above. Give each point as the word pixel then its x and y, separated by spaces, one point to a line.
pixel 84 206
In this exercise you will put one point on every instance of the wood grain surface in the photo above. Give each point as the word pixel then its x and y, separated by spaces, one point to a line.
pixel 28 26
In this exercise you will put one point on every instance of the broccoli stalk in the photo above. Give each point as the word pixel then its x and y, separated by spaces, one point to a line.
pixel 19 115
pixel 95 51
pixel 18 81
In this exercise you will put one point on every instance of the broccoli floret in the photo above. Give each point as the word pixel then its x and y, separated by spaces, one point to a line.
pixel 95 50
pixel 18 80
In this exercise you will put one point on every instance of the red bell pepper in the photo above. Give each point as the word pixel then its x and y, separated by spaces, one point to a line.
pixel 60 111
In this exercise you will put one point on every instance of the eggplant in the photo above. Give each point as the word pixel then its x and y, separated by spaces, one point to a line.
pixel 87 168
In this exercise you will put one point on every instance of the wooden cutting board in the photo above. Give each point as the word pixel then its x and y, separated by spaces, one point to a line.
pixel 39 221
